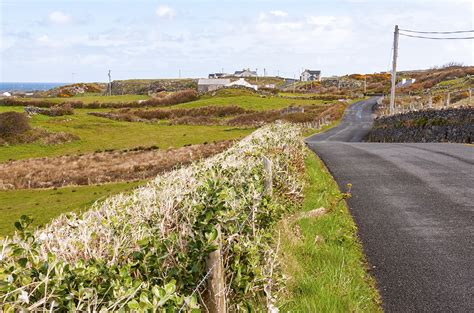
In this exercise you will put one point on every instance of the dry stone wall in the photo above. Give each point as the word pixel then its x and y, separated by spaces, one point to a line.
pixel 447 125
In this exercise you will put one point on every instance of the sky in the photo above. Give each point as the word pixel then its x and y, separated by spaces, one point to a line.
pixel 79 41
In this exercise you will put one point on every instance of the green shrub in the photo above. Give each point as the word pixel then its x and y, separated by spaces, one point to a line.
pixel 13 124
pixel 147 250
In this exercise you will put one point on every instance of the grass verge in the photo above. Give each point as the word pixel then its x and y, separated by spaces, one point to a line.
pixel 322 256
pixel 45 204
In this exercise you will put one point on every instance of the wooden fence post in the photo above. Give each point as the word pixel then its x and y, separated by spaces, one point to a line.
pixel 448 99
pixel 268 179
pixel 470 95
pixel 430 102
pixel 216 301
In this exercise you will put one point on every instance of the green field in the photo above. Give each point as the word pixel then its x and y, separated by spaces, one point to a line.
pixel 325 263
pixel 98 133
pixel 252 102
pixel 45 204
pixel 89 98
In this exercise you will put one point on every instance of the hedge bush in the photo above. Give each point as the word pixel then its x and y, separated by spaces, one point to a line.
pixel 147 250
pixel 13 124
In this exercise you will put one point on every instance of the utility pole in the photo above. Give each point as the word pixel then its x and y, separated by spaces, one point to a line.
pixel 179 73
pixel 365 84
pixel 72 75
pixel 394 70
pixel 110 84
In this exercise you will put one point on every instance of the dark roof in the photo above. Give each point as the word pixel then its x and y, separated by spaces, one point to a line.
pixel 240 72
pixel 311 72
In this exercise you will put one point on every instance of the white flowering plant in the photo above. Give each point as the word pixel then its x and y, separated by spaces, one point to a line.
pixel 146 250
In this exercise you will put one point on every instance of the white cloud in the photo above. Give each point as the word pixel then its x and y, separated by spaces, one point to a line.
pixel 165 11
pixel 58 17
pixel 279 13
pixel 321 20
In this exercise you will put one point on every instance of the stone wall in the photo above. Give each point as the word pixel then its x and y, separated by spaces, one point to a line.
pixel 447 125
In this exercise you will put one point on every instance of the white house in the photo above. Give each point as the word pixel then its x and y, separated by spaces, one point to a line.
pixel 205 84
pixel 406 82
pixel 242 82
pixel 6 94
pixel 245 73
pixel 310 75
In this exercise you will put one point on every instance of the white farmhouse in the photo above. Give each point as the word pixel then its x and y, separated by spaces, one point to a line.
pixel 310 75
pixel 406 82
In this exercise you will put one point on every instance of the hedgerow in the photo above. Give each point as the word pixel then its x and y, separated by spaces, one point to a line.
pixel 147 249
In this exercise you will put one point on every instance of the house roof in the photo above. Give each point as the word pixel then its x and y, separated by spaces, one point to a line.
pixel 312 72
pixel 213 81
pixel 240 72
pixel 242 82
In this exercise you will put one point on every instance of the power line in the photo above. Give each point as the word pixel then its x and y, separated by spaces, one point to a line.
pixel 436 38
pixel 450 32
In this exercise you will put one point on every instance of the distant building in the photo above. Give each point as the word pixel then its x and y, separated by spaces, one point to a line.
pixel 211 84
pixel 245 73
pixel 405 82
pixel 310 75
pixel 217 75
pixel 6 94
pixel 242 82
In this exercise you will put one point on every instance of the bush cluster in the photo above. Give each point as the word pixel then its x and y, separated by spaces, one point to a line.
pixel 13 124
pixel 57 110
pixel 173 98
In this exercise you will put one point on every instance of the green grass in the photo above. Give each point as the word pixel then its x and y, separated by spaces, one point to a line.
pixel 329 275
pixel 297 94
pixel 88 98
pixel 98 133
pixel 251 102
pixel 45 204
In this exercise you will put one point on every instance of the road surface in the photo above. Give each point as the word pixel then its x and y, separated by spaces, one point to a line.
pixel 414 207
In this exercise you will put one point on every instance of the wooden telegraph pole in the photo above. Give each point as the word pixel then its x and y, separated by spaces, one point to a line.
pixel 110 84
pixel 394 70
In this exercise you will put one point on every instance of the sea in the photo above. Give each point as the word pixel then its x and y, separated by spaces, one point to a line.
pixel 12 86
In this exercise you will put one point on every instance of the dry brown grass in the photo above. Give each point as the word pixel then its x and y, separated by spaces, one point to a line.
pixel 102 167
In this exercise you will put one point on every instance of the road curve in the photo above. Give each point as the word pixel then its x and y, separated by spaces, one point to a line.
pixel 414 207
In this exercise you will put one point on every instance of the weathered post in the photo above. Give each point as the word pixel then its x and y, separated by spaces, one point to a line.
pixel 448 99
pixel 215 297
pixel 470 96
pixel 268 179
pixel 430 101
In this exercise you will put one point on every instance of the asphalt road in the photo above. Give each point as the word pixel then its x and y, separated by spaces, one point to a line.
pixel 414 207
